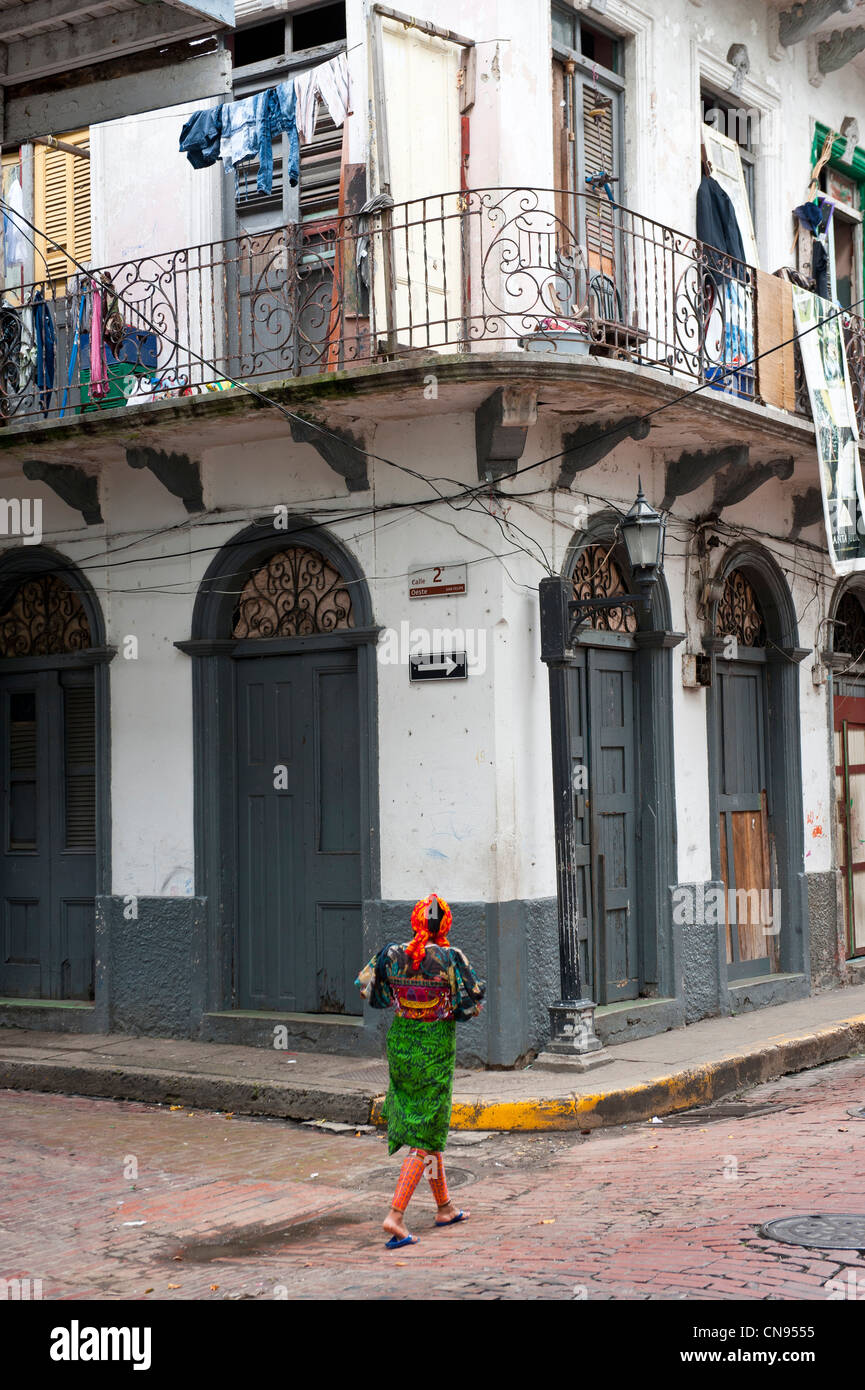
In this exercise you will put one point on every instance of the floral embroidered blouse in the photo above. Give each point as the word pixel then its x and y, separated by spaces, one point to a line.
pixel 444 988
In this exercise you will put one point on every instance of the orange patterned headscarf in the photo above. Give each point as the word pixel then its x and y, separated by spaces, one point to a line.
pixel 417 947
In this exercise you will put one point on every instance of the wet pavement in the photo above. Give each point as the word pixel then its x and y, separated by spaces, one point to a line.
pixel 122 1200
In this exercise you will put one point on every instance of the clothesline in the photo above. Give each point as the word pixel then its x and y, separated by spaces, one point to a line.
pixel 238 131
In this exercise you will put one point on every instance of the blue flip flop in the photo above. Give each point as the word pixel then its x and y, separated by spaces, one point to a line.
pixel 396 1244
pixel 460 1216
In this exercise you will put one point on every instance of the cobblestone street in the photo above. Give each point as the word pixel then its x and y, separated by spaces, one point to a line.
pixel 116 1200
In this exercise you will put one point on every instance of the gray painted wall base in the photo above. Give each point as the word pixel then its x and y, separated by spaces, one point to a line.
pixel 153 964
pixel 699 951
pixel 151 979
pixel 826 926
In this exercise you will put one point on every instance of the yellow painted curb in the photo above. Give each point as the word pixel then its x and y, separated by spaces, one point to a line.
pixel 663 1095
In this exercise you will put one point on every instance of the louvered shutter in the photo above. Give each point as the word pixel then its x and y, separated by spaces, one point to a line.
pixel 80 766
pixel 599 152
pixel 62 207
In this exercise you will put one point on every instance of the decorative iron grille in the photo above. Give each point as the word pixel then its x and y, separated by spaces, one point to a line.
pixel 297 593
pixel 597 575
pixel 739 613
pixel 44 617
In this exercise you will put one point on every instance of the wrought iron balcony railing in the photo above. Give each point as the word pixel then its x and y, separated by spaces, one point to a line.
pixel 493 269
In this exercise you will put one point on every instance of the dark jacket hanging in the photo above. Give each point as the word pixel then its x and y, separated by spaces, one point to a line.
pixel 716 219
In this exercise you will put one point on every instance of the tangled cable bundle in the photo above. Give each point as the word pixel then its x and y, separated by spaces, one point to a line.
pixel 417 947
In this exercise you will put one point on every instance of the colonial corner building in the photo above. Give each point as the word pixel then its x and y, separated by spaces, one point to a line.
pixel 250 415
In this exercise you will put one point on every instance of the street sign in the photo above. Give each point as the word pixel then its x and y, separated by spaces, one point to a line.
pixel 427 581
pixel 440 666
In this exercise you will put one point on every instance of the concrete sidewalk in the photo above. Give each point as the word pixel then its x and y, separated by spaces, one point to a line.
pixel 651 1076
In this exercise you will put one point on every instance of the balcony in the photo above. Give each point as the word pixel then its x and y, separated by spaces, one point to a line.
pixel 490 270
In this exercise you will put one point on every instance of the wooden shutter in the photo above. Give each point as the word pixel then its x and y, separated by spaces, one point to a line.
pixel 599 153
pixel 80 765
pixel 62 209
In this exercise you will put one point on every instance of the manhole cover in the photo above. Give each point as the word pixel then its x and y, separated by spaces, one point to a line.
pixel 384 1179
pixel 841 1232
pixel 858 1114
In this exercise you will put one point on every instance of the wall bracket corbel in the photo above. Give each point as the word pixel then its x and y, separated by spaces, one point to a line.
pixel 586 446
pixel 73 486
pixel 691 470
pixel 178 473
pixel 501 425
pixel 341 450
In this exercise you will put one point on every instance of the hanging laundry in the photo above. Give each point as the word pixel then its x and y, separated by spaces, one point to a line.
pixel 816 217
pixel 43 331
pixel 306 93
pixel 239 131
pixel 277 116
pixel 15 246
pixel 201 136
pixel 333 86
pixel 716 219
pixel 113 328
pixel 241 127
pixel 99 383
pixel 328 81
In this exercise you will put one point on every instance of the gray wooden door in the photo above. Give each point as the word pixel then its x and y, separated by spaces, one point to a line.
pixel 614 803
pixel 48 742
pixel 298 846
pixel 579 764
pixel 743 817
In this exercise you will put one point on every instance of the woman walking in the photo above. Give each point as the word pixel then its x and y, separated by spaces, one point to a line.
pixel 434 988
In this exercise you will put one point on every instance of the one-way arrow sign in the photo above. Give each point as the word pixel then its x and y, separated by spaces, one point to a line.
pixel 440 666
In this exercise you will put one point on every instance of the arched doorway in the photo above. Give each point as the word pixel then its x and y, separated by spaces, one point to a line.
pixel 53 689
pixel 283 685
pixel 847 628
pixel 755 768
pixel 620 723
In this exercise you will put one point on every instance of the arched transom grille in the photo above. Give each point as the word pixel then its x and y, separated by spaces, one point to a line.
pixel 597 575
pixel 44 617
pixel 296 593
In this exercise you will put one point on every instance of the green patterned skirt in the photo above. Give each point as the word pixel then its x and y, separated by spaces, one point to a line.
pixel 418 1106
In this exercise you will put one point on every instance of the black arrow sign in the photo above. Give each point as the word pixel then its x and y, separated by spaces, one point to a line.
pixel 440 666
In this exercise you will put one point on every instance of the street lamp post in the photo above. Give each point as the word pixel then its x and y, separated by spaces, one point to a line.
pixel 562 618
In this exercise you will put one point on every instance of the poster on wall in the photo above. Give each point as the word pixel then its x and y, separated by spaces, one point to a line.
pixel 818 325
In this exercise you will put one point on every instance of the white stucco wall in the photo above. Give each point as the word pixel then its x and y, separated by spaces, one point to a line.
pixel 464 773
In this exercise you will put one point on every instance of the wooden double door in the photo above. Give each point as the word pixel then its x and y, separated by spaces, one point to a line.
pixel 298 826
pixel 605 785
pixel 48 861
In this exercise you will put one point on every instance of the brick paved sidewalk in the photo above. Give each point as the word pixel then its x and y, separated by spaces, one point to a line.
pixel 255 1208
